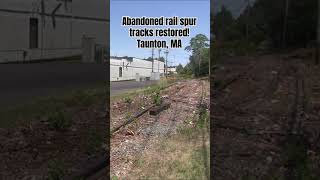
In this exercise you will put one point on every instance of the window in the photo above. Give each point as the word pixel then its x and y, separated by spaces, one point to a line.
pixel 120 71
pixel 33 41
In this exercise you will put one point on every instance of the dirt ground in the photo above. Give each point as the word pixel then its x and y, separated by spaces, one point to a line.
pixel 266 118
pixel 137 139
pixel 33 149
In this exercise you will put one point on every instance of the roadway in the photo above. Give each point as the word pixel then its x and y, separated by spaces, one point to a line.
pixel 20 83
pixel 120 87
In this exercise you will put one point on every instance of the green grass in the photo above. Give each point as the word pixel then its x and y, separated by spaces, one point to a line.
pixel 183 156
pixel 128 100
pixel 45 108
pixel 148 90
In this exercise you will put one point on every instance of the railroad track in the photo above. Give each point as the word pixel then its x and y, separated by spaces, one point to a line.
pixel 296 141
pixel 96 170
pixel 140 113
pixel 232 80
pixel 175 110
pixel 292 130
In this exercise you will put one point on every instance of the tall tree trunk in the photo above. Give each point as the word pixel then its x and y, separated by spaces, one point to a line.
pixel 318 37
pixel 285 25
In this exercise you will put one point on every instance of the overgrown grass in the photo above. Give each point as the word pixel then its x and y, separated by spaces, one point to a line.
pixel 183 156
pixel 128 100
pixel 156 97
pixel 148 90
pixel 50 107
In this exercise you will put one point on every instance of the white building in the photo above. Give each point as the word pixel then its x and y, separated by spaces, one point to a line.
pixel 47 29
pixel 129 68
pixel 172 70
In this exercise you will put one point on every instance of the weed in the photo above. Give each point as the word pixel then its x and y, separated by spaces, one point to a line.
pixel 128 115
pixel 80 98
pixel 114 178
pixel 156 97
pixel 43 107
pixel 128 100
pixel 56 170
pixel 59 120
pixel 203 118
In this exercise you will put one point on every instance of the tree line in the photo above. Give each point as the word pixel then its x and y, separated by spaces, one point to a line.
pixel 266 25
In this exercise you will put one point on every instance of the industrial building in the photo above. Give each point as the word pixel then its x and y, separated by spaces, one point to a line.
pixel 130 68
pixel 172 70
pixel 48 29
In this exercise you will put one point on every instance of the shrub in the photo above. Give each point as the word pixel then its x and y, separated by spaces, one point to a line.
pixel 156 98
pixel 128 100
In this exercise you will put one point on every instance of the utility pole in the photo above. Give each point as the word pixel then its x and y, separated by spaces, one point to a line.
pixel 247 23
pixel 152 57
pixel 159 60
pixel 199 57
pixel 166 64
pixel 318 37
pixel 285 25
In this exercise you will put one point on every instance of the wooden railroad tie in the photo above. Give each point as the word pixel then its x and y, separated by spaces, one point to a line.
pixel 157 109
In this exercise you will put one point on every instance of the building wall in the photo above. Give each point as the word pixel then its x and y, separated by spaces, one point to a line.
pixel 132 68
pixel 172 70
pixel 73 20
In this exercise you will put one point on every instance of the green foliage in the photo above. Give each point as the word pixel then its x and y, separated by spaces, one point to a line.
pixel 223 21
pixel 56 170
pixel 199 60
pixel 128 99
pixel 59 120
pixel 203 118
pixel 266 22
pixel 157 98
pixel 162 59
pixel 114 178
pixel 179 68
pixel 128 115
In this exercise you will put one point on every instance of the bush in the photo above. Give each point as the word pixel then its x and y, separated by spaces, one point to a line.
pixel 128 100
pixel 203 118
pixel 156 98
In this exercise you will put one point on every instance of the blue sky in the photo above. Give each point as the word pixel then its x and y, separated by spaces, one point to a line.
pixel 123 45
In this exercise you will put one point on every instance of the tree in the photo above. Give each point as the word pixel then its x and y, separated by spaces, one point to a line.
pixel 223 20
pixel 179 68
pixel 198 46
pixel 150 59
pixel 196 43
pixel 161 59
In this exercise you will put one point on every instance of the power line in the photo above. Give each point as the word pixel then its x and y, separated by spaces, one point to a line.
pixel 56 15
